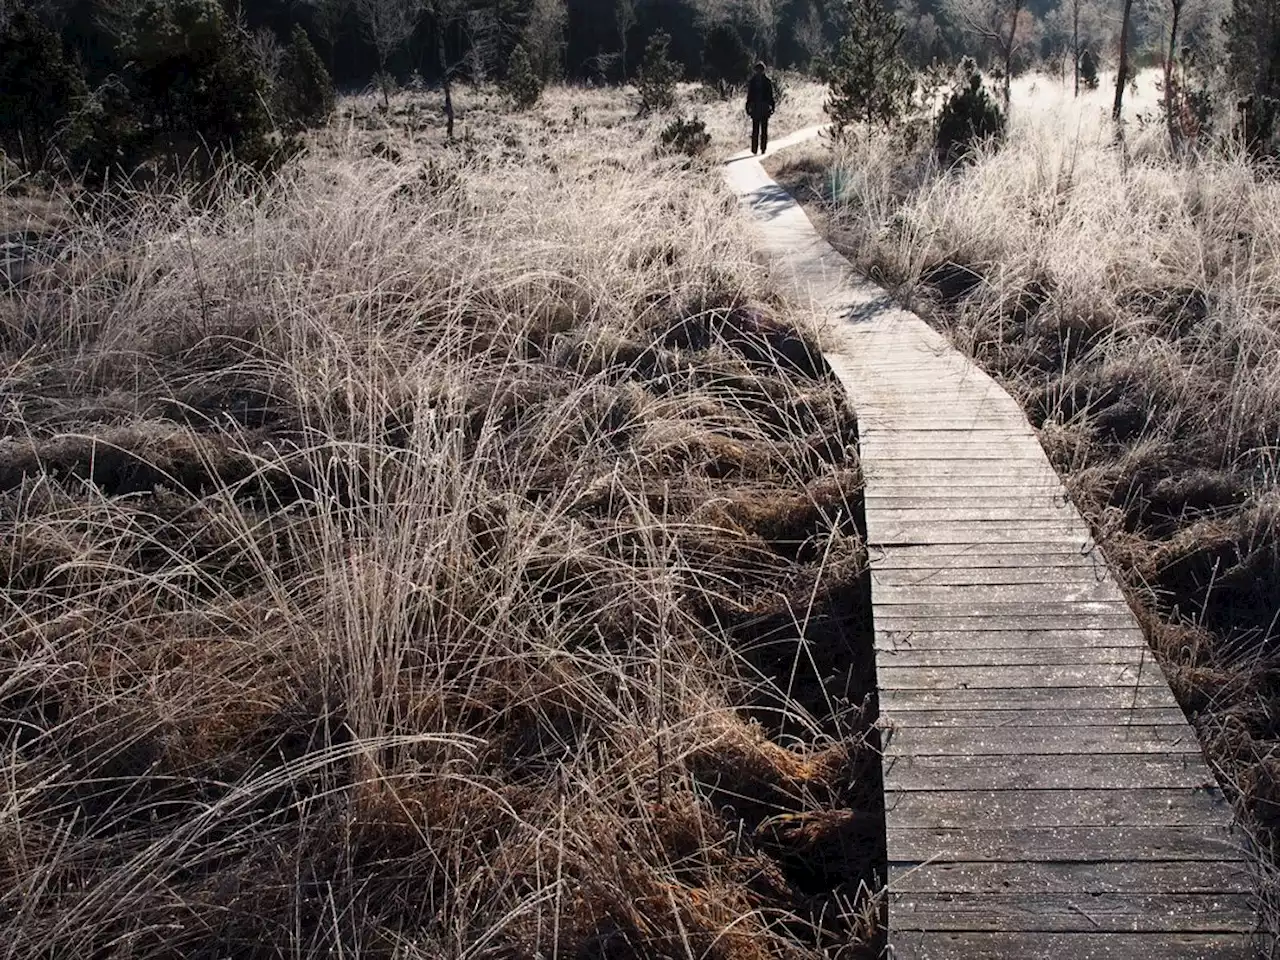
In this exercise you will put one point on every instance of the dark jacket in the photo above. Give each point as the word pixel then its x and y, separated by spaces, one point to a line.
pixel 759 96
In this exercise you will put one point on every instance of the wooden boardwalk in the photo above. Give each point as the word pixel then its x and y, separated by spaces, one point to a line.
pixel 1046 797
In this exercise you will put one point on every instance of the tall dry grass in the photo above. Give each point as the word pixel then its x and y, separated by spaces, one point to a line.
pixel 1131 300
pixel 433 552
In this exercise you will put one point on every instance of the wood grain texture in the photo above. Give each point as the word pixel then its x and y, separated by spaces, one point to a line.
pixel 1041 945
pixel 1045 795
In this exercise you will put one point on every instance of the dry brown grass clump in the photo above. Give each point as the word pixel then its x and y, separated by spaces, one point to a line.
pixel 1133 303
pixel 437 552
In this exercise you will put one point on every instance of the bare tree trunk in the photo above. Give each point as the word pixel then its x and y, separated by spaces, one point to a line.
pixel 1010 46
pixel 1075 42
pixel 1122 73
pixel 624 15
pixel 1009 81
pixel 1170 105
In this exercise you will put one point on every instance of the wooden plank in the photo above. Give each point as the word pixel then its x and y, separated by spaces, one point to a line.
pixel 913 423
pixel 1115 740
pixel 995 500
pixel 1143 877
pixel 977 532
pixel 1128 675
pixel 906 619
pixel 1072 553
pixel 956 477
pixel 925 429
pixel 941 637
pixel 977 809
pixel 943 556
pixel 1048 771
pixel 954 445
pixel 1073 912
pixel 994 605
pixel 1039 698
pixel 984 457
pixel 1040 596
pixel 891 654
pixel 924 386
pixel 965 471
pixel 972 468
pixel 1057 844
pixel 1166 713
pixel 1069 576
pixel 992 512
pixel 1070 946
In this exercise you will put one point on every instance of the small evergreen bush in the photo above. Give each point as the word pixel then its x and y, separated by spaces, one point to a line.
pixel 521 84
pixel 304 91
pixel 1088 70
pixel 1259 125
pixel 109 132
pixel 969 117
pixel 658 75
pixel 689 137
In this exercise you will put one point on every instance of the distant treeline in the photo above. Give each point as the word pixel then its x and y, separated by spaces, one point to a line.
pixel 98 84
pixel 569 39
pixel 604 39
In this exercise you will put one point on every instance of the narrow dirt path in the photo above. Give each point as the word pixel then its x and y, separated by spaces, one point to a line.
pixel 1045 795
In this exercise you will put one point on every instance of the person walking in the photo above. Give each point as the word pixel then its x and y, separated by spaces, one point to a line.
pixel 759 108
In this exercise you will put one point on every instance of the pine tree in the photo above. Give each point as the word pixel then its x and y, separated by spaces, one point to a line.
pixel 658 75
pixel 969 117
pixel 1089 70
pixel 870 80
pixel 195 81
pixel 38 88
pixel 305 92
pixel 521 83
pixel 725 59
pixel 1253 47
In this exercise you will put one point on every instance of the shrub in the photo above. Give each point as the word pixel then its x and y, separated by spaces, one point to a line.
pixel 1253 65
pixel 781 89
pixel 869 79
pixel 521 84
pixel 725 58
pixel 1258 125
pixel 39 89
pixel 304 92
pixel 969 116
pixel 109 132
pixel 658 75
pixel 195 84
pixel 1253 56
pixel 1089 70
pixel 689 137
pixel 1186 100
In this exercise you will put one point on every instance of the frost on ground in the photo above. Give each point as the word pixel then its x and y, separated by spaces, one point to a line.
pixel 439 551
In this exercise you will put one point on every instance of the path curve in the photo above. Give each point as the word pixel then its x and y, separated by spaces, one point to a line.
pixel 1045 795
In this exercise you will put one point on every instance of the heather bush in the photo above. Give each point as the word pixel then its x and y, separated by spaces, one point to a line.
pixel 689 137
